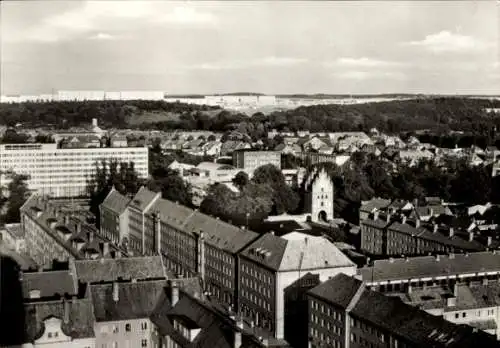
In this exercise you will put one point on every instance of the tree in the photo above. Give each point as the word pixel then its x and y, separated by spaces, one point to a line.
pixel 240 180
pixel 12 137
pixel 172 187
pixel 211 137
pixel 219 197
pixel 121 176
pixel 18 191
pixel 284 198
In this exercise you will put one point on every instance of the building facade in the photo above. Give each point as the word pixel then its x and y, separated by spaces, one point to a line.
pixel 114 217
pixel 251 160
pixel 64 172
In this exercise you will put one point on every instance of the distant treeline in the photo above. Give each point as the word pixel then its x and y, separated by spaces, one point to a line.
pixel 440 114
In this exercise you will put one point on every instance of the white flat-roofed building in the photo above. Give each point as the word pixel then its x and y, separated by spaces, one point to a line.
pixel 142 95
pixel 80 95
pixel 63 172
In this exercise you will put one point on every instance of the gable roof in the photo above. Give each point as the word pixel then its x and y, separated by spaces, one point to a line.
pixel 49 284
pixel 107 270
pixel 116 202
pixel 135 300
pixel 339 290
pixel 143 198
pixel 375 203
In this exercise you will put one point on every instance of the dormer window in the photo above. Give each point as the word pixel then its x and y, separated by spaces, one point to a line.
pixel 35 294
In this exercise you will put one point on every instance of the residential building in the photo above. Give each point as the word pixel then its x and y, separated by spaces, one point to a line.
pixel 344 313
pixel 122 312
pixel 251 160
pixel 63 172
pixel 137 208
pixel 189 320
pixel 52 234
pixel 114 217
pixel 397 274
pixel 268 267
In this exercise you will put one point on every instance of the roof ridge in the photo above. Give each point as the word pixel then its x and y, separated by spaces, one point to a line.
pixel 357 295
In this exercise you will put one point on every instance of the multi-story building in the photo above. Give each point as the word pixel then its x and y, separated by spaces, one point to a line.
pixel 114 217
pixel 137 208
pixel 52 234
pixel 344 313
pixel 186 320
pixel 193 243
pixel 64 172
pixel 271 264
pixel 399 274
pixel 251 160
pixel 122 311
pixel 387 237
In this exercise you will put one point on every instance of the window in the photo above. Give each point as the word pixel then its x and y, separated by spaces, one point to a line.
pixel 127 327
pixel 464 315
pixel 457 315
pixel 144 325
pixel 115 329
pixel 49 334
pixel 144 343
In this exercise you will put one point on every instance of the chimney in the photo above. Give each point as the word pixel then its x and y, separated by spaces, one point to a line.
pixel 415 202
pixel 437 258
pixel 417 222
pixel 489 241
pixel 174 293
pixel 435 227
pixel 66 305
pixel 451 232
pixel 388 217
pixel 201 255
pixel 485 281
pixel 409 288
pixel 403 219
pixel 455 290
pixel 90 236
pixel 451 301
pixel 78 227
pixel 237 333
pixel 66 220
pixel 115 291
pixel 431 212
pixel 471 236
pixel 375 215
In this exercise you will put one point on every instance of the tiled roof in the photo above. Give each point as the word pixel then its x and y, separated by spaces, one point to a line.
pixel 135 300
pixel 273 248
pixel 339 290
pixel 216 232
pixel 379 223
pixel 304 252
pixel 296 251
pixel 49 283
pixel 116 202
pixel 80 324
pixel 375 203
pixel 15 230
pixel 143 198
pixel 430 266
pixel 106 270
pixel 414 325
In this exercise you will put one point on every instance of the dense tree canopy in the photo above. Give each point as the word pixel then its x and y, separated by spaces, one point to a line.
pixel 17 194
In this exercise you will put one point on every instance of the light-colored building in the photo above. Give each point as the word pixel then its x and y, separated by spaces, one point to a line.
pixel 64 172
pixel 251 160
pixel 113 209
pixel 271 264
pixel 319 196
pixel 80 95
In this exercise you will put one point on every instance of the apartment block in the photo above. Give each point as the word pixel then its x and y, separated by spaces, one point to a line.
pixel 114 217
pixel 344 313
pixel 251 160
pixel 64 172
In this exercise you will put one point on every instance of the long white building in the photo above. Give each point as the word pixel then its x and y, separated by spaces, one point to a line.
pixel 63 172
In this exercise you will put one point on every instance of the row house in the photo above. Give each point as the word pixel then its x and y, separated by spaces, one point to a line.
pixel 55 235
pixel 114 217
pixel 343 312
pixel 271 264
pixel 399 274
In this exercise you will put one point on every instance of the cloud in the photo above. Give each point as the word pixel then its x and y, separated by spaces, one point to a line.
pixel 362 62
pixel 102 36
pixel 271 61
pixel 367 75
pixel 446 41
pixel 99 15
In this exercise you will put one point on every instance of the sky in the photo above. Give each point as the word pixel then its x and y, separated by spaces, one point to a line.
pixel 278 47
